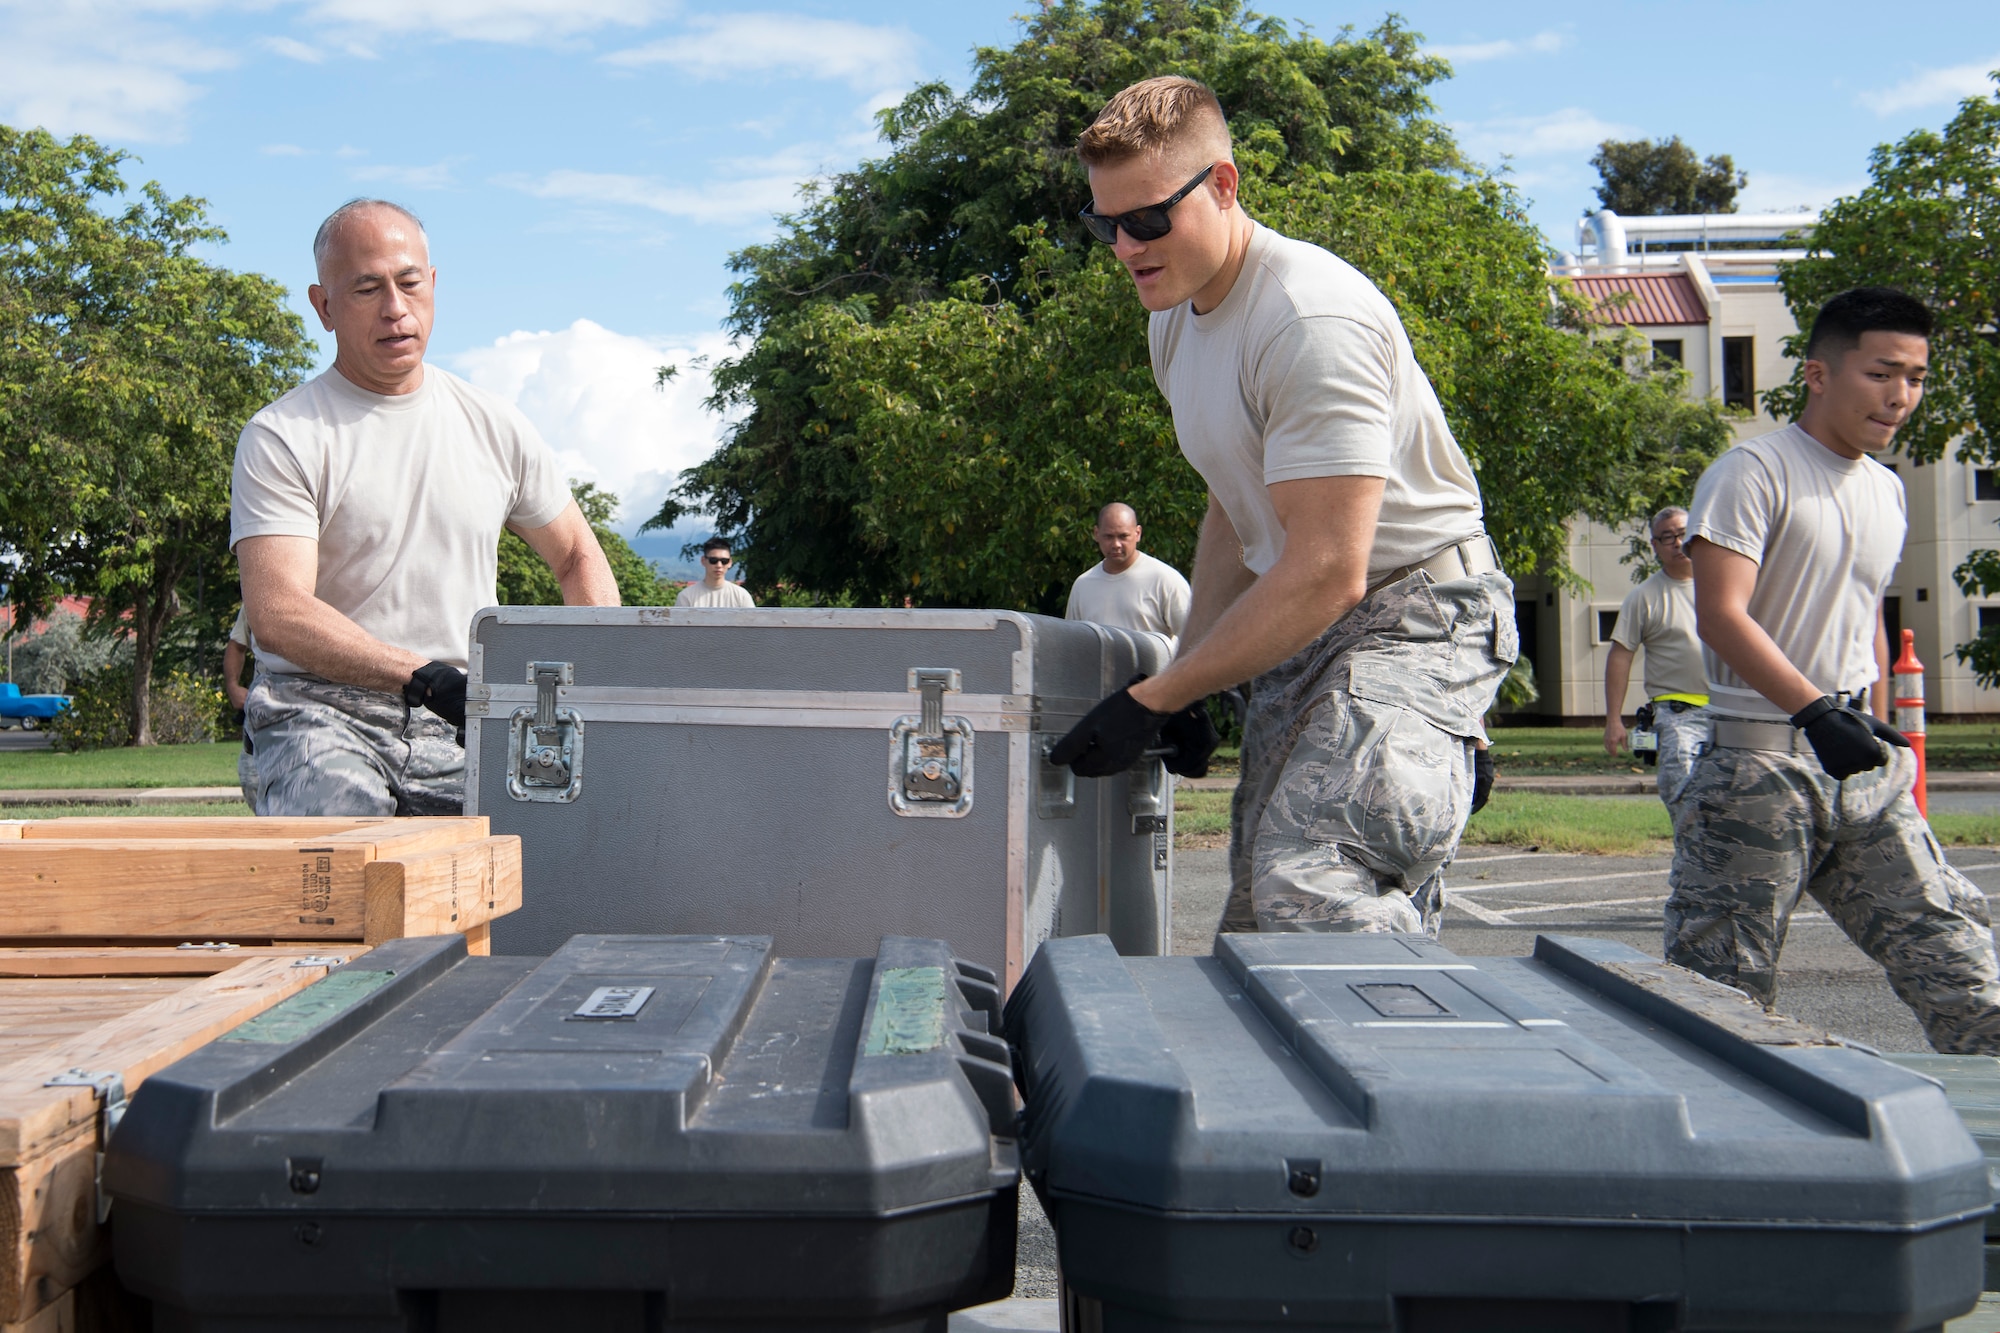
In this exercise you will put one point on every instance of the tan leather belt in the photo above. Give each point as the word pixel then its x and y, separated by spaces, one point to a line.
pixel 1461 560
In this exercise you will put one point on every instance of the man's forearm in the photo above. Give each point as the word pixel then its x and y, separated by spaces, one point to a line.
pixel 1750 653
pixel 1282 612
pixel 1617 680
pixel 1220 578
pixel 307 632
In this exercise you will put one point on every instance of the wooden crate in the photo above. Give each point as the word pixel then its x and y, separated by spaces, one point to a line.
pixel 131 880
pixel 83 1011
pixel 127 942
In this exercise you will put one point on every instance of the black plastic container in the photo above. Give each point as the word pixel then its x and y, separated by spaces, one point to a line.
pixel 1368 1132
pixel 638 1132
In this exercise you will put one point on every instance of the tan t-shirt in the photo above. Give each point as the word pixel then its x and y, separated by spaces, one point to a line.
pixel 700 594
pixel 1826 533
pixel 1304 370
pixel 1150 595
pixel 405 495
pixel 1658 616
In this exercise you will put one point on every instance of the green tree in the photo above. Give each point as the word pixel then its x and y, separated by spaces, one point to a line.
pixel 1638 178
pixel 525 579
pixel 947 203
pixel 945 379
pixel 1929 223
pixel 128 366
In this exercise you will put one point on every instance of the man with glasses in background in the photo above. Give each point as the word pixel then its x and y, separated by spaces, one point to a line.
pixel 715 589
pixel 1658 616
pixel 1343 563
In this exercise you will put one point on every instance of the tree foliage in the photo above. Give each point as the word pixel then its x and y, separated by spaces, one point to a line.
pixel 1638 178
pixel 525 579
pixel 945 379
pixel 1929 223
pixel 128 366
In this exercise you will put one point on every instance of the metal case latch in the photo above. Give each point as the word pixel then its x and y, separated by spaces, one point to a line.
pixel 930 755
pixel 545 743
pixel 1149 800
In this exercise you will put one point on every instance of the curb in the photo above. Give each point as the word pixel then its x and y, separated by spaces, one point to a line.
pixel 119 795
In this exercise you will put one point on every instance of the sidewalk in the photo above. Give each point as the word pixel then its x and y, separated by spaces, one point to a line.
pixel 1617 784
pixel 118 795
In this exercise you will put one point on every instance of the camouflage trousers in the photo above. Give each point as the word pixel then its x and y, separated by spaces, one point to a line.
pixel 1682 737
pixel 1357 761
pixel 327 749
pixel 1757 829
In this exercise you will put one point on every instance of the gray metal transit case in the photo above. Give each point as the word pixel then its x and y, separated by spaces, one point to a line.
pixel 823 777
pixel 636 1133
pixel 1368 1132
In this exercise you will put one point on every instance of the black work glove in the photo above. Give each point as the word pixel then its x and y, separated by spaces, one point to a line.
pixel 1847 742
pixel 1112 737
pixel 1192 734
pixel 439 687
pixel 1482 779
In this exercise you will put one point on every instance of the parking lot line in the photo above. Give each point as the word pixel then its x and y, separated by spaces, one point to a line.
pixel 1549 883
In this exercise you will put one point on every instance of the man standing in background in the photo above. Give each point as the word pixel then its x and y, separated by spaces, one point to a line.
pixel 1128 588
pixel 715 589
pixel 1658 616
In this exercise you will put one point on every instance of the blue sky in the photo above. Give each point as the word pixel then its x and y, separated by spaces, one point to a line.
pixel 585 167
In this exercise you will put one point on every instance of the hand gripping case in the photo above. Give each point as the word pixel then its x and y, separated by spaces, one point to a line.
pixel 633 1134
pixel 1367 1132
pixel 823 777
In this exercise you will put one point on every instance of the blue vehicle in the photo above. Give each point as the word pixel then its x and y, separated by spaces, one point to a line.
pixel 27 711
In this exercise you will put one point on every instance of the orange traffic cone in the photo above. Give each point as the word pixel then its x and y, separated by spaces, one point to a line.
pixel 1909 701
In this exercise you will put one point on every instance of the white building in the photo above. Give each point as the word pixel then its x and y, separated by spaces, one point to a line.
pixel 1720 313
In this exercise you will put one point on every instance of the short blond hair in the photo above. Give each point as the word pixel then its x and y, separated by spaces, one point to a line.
pixel 1157 117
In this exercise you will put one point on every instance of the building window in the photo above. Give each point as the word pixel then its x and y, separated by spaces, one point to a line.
pixel 1989 618
pixel 1607 621
pixel 1739 377
pixel 1986 483
pixel 1669 349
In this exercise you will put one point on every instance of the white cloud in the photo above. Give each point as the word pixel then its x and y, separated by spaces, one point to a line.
pixel 1471 53
pixel 93 67
pixel 1932 86
pixel 436 176
pixel 518 22
pixel 284 150
pixel 293 49
pixel 1776 192
pixel 591 393
pixel 717 46
pixel 699 199
pixel 1570 130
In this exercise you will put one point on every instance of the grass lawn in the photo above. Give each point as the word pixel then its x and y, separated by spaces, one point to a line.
pixel 1614 825
pixel 212 765
pixel 1543 751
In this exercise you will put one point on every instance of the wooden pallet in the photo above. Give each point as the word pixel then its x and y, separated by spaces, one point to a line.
pixel 128 942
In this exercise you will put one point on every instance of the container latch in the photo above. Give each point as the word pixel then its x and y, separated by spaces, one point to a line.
pixel 930 755
pixel 1149 800
pixel 545 743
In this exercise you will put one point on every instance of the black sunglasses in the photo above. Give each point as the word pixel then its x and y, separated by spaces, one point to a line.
pixel 715 559
pixel 1141 224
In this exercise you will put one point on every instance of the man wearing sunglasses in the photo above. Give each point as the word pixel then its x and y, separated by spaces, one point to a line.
pixel 1343 563
pixel 1658 616
pixel 715 589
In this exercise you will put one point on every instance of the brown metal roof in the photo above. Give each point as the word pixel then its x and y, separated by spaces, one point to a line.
pixel 1649 298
